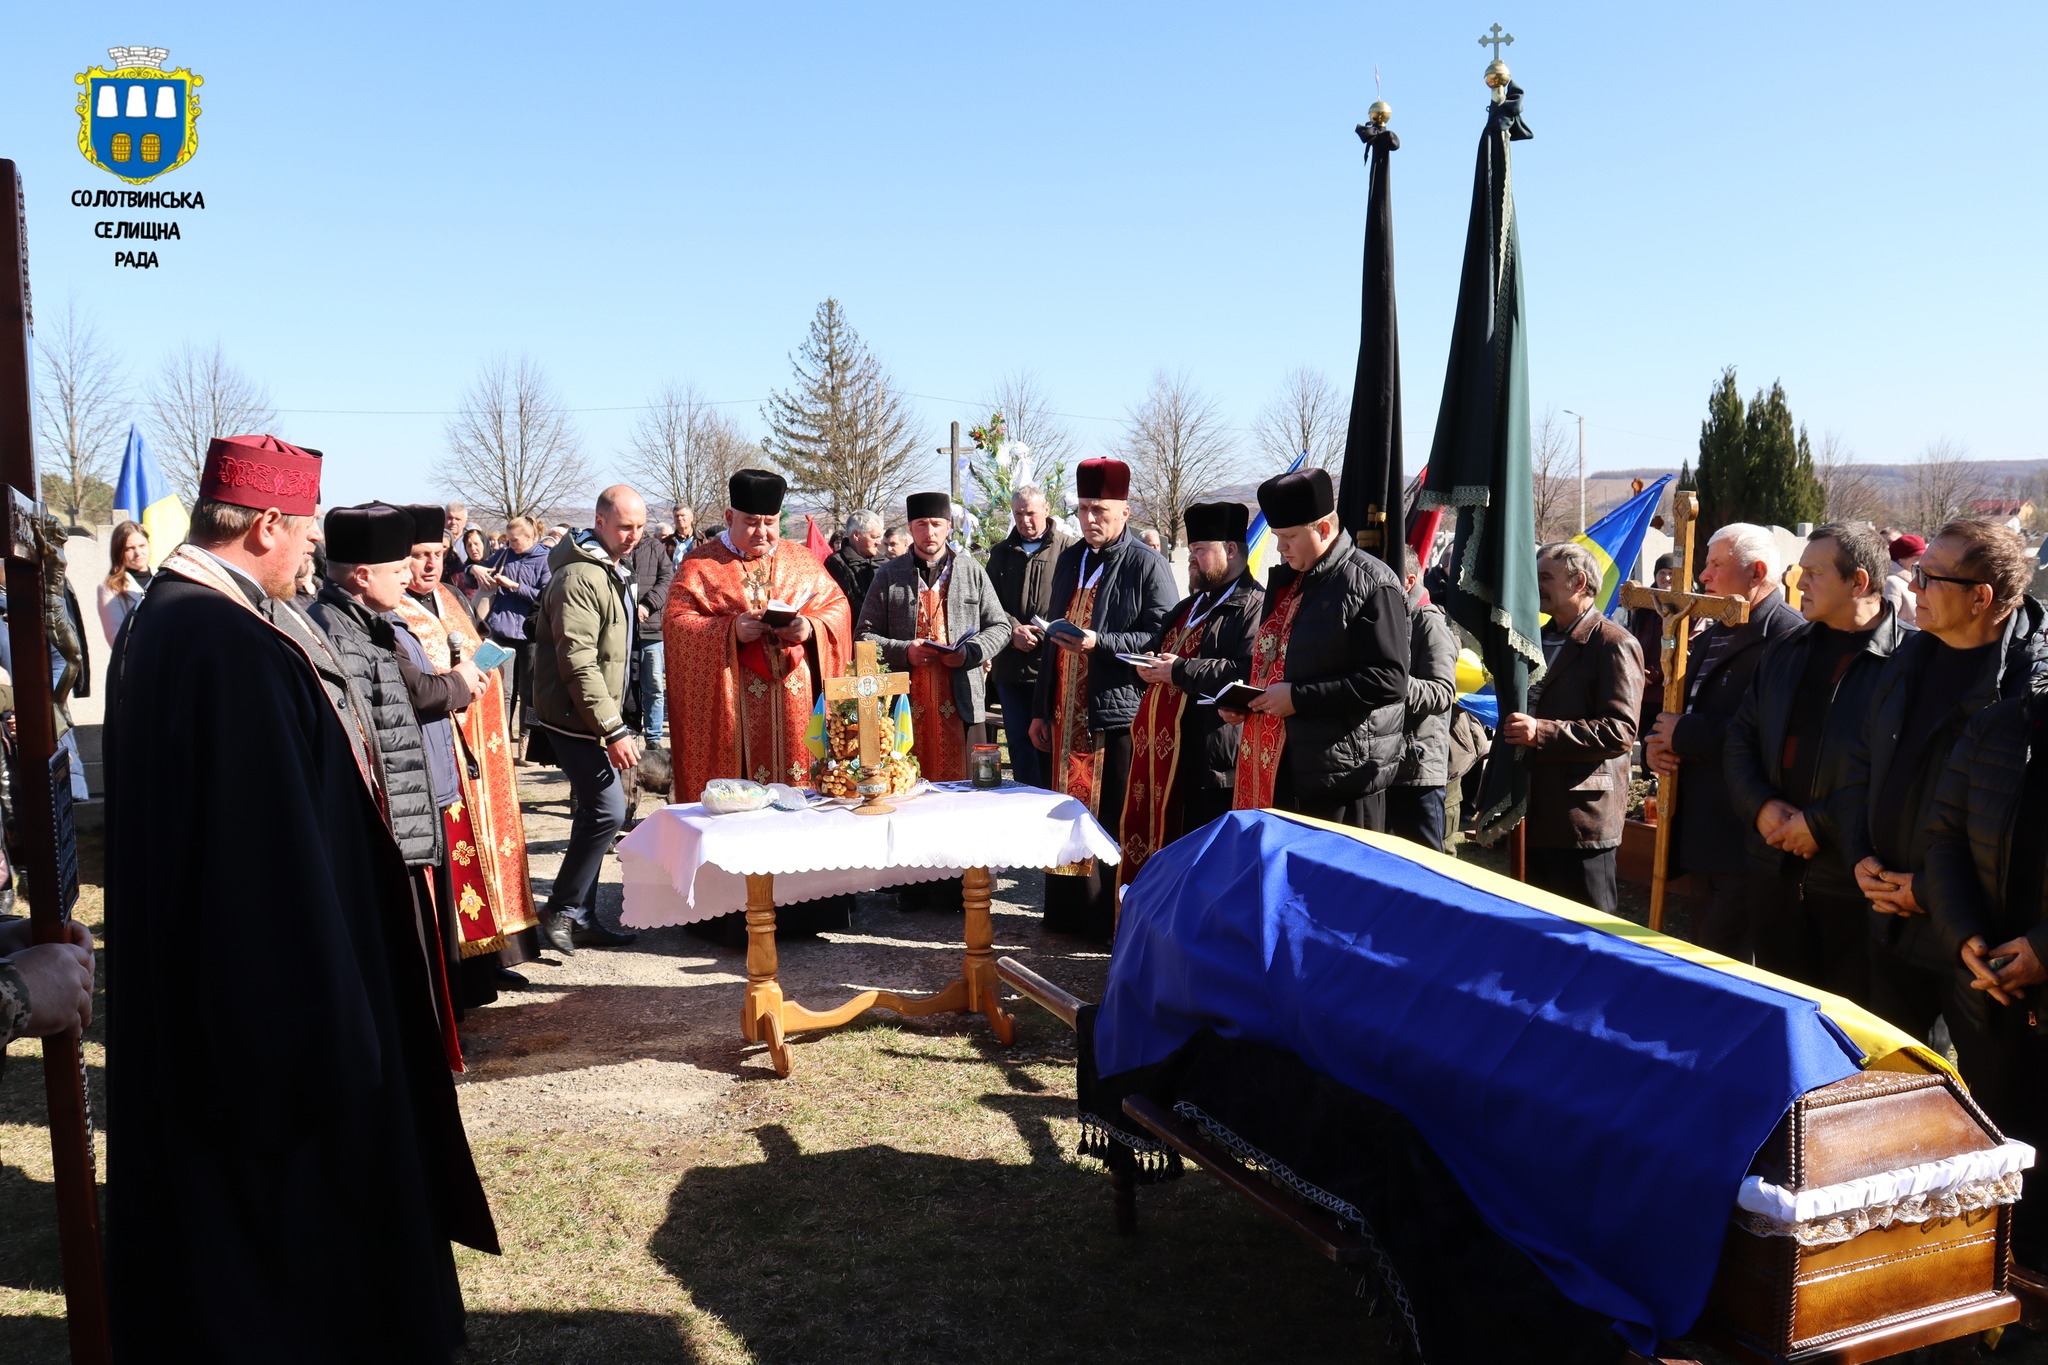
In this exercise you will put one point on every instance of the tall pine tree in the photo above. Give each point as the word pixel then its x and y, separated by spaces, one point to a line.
pixel 1722 476
pixel 1783 489
pixel 841 433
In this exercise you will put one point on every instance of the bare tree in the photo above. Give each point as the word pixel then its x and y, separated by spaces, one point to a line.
pixel 1554 467
pixel 80 413
pixel 1027 413
pixel 1308 413
pixel 1178 448
pixel 684 451
pixel 197 396
pixel 841 433
pixel 511 450
pixel 1942 486
pixel 1852 490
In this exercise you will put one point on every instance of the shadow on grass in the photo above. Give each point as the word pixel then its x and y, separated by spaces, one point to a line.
pixel 875 1251
pixel 576 1338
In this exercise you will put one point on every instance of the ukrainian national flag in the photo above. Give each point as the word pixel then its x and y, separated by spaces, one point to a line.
pixel 145 494
pixel 1259 540
pixel 1616 541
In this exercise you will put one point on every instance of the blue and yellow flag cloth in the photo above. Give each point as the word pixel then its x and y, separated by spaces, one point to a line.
pixel 1259 540
pixel 1616 541
pixel 145 494
pixel 814 733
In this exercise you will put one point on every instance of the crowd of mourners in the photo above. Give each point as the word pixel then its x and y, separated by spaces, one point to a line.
pixel 1861 778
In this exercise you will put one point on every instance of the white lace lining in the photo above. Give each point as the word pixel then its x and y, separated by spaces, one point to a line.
pixel 1789 1208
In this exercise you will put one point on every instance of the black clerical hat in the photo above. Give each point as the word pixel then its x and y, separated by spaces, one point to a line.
pixel 1217 521
pixel 1297 498
pixel 920 505
pixel 756 492
pixel 369 533
pixel 429 523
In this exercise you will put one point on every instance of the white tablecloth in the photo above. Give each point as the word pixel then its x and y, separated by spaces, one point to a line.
pixel 682 864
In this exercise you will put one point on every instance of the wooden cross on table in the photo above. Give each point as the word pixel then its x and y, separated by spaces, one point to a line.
pixel 867 685
pixel 1681 610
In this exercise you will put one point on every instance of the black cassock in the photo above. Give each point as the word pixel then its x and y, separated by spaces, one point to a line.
pixel 286 1162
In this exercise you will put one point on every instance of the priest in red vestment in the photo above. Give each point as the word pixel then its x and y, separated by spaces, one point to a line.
pixel 1113 593
pixel 740 685
pixel 1184 755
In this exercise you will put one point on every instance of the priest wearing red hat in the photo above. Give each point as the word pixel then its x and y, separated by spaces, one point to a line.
pixel 1183 754
pixel 1113 593
pixel 1331 655
pixel 290 1140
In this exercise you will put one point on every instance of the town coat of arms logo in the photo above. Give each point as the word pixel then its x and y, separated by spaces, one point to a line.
pixel 138 120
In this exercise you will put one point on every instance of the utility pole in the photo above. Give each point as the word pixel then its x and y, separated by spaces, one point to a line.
pixel 1582 465
pixel 955 454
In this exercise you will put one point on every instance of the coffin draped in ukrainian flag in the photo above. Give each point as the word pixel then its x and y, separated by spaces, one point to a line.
pixel 1598 1091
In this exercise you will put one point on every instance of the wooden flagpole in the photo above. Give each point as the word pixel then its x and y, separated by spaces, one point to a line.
pixel 51 860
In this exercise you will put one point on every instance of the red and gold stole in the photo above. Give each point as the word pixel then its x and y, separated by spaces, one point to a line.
pixel 940 731
pixel 740 710
pixel 1151 811
pixel 486 838
pixel 1265 737
pixel 1075 770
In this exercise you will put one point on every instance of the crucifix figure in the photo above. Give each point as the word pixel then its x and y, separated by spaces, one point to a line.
pixel 1497 40
pixel 868 686
pixel 1682 610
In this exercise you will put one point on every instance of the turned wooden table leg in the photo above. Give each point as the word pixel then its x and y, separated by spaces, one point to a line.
pixel 761 1012
pixel 980 969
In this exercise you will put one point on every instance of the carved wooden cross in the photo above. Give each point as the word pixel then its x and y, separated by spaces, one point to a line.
pixel 1681 610
pixel 868 686
pixel 1497 40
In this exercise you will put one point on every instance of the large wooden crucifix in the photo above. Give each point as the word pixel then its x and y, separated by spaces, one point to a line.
pixel 868 686
pixel 1681 609
pixel 42 782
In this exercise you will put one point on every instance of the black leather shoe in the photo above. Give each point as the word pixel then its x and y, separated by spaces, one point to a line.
pixel 559 931
pixel 595 935
pixel 505 979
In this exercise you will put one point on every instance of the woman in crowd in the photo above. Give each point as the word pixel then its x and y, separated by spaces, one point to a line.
pixel 122 591
pixel 514 576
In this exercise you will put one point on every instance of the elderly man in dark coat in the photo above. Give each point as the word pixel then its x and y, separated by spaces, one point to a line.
pixel 1331 655
pixel 1579 733
pixel 1021 566
pixel 291 1170
pixel 1742 561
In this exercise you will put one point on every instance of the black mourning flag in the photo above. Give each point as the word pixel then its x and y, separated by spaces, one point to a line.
pixel 1369 493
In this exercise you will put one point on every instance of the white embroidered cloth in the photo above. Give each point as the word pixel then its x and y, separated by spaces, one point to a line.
pixel 1789 1207
pixel 684 864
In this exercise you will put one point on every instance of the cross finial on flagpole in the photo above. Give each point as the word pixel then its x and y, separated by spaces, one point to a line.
pixel 1497 40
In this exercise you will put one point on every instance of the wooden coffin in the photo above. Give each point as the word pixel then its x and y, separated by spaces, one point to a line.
pixel 1887 1288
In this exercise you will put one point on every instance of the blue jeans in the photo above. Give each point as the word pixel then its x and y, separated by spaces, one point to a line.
pixel 1027 764
pixel 653 682
pixel 599 800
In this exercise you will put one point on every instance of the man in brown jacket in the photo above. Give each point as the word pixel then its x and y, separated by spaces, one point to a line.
pixel 1581 734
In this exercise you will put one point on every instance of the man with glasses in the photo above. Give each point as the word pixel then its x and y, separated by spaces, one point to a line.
pixel 1980 640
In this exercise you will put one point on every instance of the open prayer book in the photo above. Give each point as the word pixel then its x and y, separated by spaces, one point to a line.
pixel 779 613
pixel 1062 628
pixel 1239 696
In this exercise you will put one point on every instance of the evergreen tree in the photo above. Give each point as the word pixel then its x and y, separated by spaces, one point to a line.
pixel 1722 478
pixel 1782 487
pixel 841 432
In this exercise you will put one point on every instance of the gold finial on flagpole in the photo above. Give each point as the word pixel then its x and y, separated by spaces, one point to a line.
pixel 1380 114
pixel 1497 70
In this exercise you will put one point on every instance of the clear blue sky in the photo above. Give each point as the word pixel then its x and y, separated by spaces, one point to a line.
pixel 1844 197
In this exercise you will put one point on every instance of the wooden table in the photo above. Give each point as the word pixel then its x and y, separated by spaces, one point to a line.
pixel 684 865
pixel 766 1017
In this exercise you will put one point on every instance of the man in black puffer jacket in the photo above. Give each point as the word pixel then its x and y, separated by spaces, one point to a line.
pixel 1984 880
pixel 368 548
pixel 1980 639
pixel 1325 739
pixel 1786 756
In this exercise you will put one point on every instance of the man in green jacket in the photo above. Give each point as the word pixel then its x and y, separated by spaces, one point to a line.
pixel 585 645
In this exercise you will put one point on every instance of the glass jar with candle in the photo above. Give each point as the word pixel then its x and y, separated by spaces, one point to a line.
pixel 985 766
